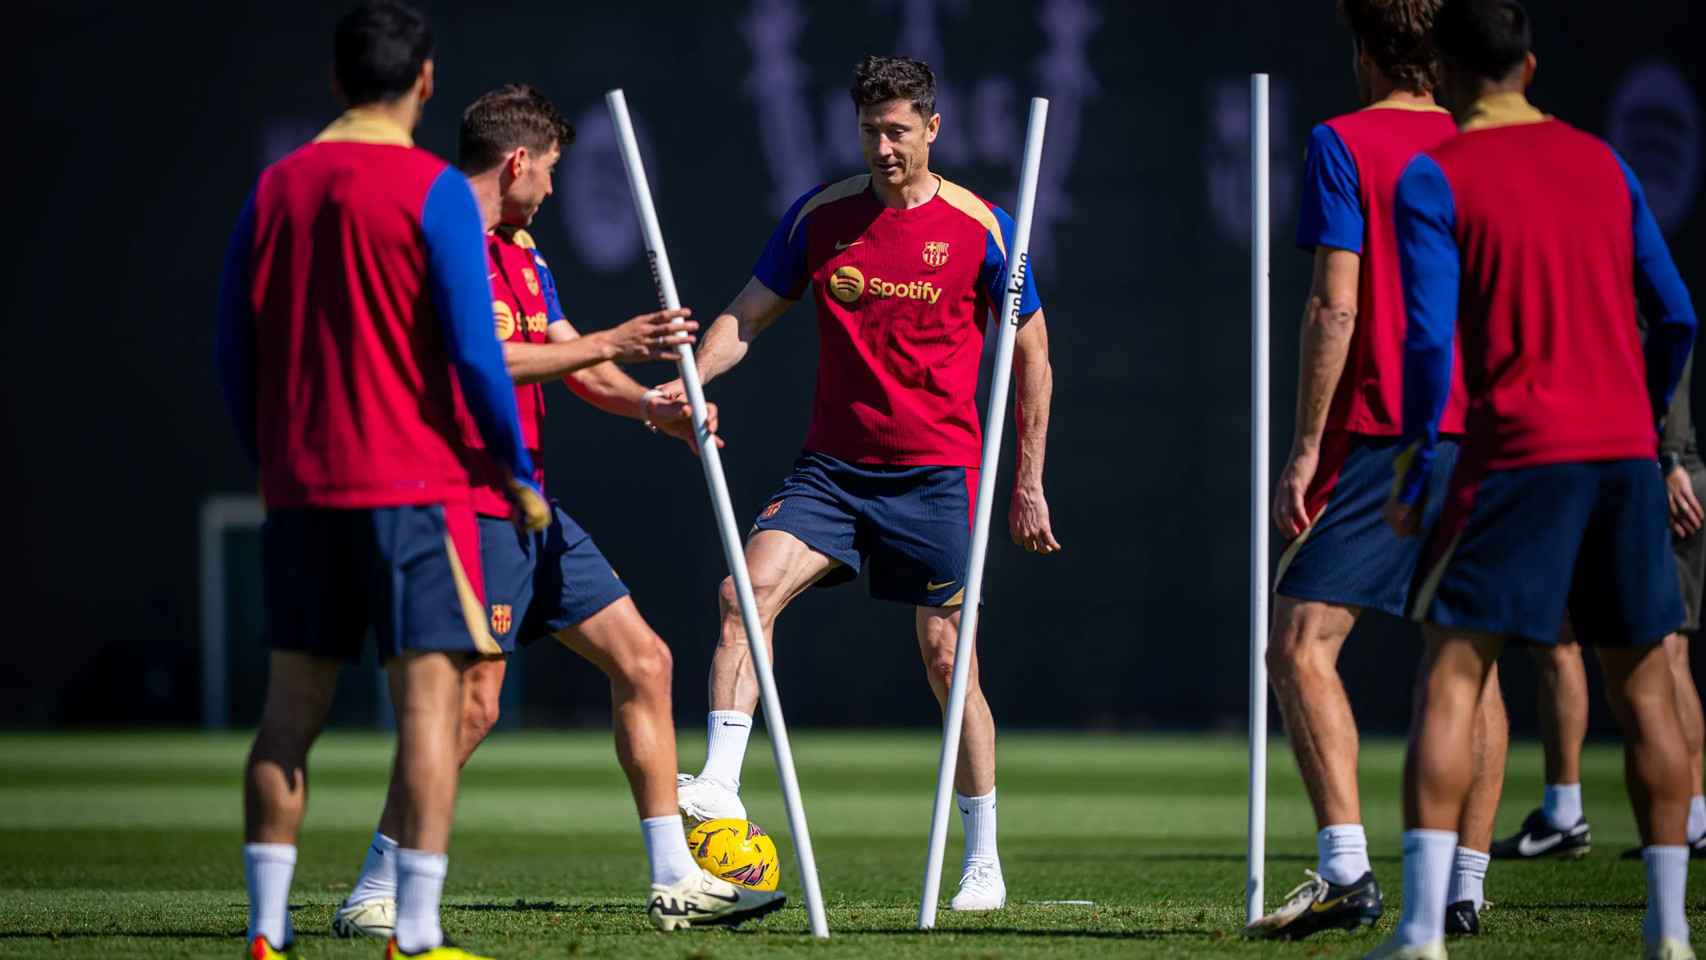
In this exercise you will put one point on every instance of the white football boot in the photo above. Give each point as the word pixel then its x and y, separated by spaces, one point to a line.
pixel 1670 948
pixel 981 888
pixel 1391 949
pixel 375 918
pixel 702 899
pixel 702 799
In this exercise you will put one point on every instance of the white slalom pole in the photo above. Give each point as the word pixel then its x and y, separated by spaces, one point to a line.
pixel 1258 826
pixel 993 422
pixel 733 550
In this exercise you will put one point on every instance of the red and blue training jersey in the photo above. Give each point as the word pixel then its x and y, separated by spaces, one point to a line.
pixel 523 306
pixel 1532 240
pixel 901 299
pixel 1350 172
pixel 354 300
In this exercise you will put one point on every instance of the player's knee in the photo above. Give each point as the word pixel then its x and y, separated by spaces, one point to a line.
pixel 479 718
pixel 649 665
pixel 765 596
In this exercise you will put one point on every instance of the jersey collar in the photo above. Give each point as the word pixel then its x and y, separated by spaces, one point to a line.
pixel 1500 110
pixel 365 126
pixel 1409 105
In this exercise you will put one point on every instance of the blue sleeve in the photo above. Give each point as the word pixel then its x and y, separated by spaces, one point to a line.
pixel 1331 212
pixel 234 333
pixel 782 265
pixel 1425 217
pixel 548 287
pixel 1664 301
pixel 450 223
pixel 993 275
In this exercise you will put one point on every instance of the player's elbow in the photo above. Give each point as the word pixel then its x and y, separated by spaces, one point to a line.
pixel 1332 316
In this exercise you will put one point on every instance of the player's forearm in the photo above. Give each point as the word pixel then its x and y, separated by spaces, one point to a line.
pixel 606 387
pixel 529 363
pixel 1326 342
pixel 1035 377
pixel 723 346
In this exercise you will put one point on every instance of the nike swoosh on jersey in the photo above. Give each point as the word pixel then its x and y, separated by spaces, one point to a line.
pixel 1532 848
pixel 842 246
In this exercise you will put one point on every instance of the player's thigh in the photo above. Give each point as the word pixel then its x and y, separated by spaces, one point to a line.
pixel 572 580
pixel 1312 629
pixel 1625 589
pixel 618 641
pixel 918 526
pixel 482 684
pixel 782 566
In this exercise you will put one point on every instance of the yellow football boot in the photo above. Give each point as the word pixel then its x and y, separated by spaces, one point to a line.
pixel 444 951
pixel 260 949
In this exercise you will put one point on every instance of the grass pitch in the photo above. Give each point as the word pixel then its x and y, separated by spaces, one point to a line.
pixel 127 845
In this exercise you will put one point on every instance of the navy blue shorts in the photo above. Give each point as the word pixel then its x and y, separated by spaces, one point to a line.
pixel 911 526
pixel 1349 555
pixel 540 583
pixel 412 574
pixel 1516 548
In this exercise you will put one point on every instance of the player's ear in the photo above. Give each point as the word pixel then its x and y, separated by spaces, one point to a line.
pixel 517 162
pixel 1529 64
pixel 932 127
pixel 423 84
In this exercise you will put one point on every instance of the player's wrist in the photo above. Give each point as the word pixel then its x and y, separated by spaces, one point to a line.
pixel 646 400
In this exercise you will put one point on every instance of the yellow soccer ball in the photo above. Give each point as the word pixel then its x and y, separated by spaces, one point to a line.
pixel 738 851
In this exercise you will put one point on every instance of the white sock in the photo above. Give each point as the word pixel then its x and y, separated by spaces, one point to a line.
pixel 977 815
pixel 1341 853
pixel 1468 877
pixel 1696 817
pixel 267 867
pixel 726 733
pixel 1563 805
pixel 1667 881
pixel 420 883
pixel 1427 873
pixel 378 872
pixel 666 849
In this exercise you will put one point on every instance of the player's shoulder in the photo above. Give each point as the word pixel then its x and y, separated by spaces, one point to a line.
pixel 824 197
pixel 982 213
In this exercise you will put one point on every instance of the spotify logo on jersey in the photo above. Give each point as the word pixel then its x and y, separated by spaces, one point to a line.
pixel 847 283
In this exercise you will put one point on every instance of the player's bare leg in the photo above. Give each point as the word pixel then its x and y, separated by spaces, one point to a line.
pixel 781 567
pixel 371 907
pixel 1559 826
pixel 1642 691
pixel 275 785
pixel 982 886
pixel 1465 899
pixel 1693 734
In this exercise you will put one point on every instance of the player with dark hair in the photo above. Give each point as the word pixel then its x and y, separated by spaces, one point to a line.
pixel 906 265
pixel 353 310
pixel 556 582
pixel 1342 559
pixel 1536 240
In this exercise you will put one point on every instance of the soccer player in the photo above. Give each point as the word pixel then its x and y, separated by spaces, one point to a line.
pixel 1342 559
pixel 905 265
pixel 1559 826
pixel 556 582
pixel 354 301
pixel 1536 239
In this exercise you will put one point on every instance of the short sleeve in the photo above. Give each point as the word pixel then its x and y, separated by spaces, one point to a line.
pixel 782 265
pixel 1330 214
pixel 993 276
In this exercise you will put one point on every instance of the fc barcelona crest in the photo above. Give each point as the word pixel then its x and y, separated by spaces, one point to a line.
pixel 503 616
pixel 532 280
pixel 935 252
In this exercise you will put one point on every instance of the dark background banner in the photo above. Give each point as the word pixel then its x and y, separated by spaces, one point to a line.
pixel 139 132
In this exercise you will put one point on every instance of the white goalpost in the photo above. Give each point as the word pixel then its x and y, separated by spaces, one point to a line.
pixel 1258 823
pixel 993 423
pixel 733 549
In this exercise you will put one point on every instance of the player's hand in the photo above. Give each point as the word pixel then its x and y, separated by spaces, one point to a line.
pixel 1686 515
pixel 650 336
pixel 1291 511
pixel 531 513
pixel 1405 519
pixel 673 415
pixel 1028 522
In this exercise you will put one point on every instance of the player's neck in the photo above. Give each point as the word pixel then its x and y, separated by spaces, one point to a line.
pixel 488 196
pixel 402 112
pixel 1382 90
pixel 915 192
